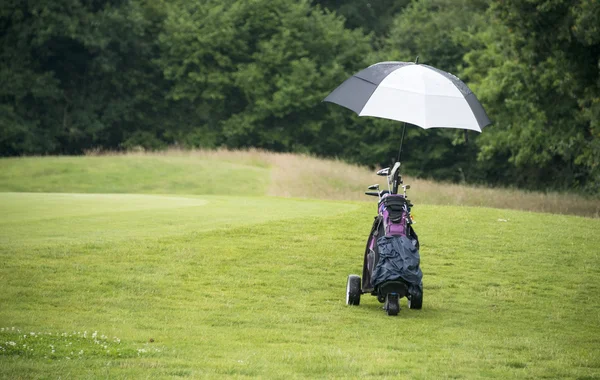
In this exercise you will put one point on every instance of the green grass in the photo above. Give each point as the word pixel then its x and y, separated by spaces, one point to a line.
pixel 149 174
pixel 63 217
pixel 155 266
pixel 254 286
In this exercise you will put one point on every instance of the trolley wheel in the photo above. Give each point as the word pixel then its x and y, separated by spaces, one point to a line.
pixel 415 301
pixel 392 304
pixel 353 291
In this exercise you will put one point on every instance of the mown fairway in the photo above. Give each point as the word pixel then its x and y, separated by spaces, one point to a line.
pixel 174 285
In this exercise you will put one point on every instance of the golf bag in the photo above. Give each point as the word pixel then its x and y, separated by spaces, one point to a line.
pixel 391 264
pixel 392 252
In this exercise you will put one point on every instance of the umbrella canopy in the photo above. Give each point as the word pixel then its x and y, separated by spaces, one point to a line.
pixel 417 94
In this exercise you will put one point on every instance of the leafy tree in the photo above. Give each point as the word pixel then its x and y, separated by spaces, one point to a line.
pixel 258 70
pixel 77 74
pixel 538 74
pixel 369 15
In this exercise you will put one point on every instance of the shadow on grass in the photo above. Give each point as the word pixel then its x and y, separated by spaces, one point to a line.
pixel 377 310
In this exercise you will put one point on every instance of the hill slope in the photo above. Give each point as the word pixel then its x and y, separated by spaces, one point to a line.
pixel 254 173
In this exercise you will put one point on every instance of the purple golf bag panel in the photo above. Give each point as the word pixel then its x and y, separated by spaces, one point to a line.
pixel 394 212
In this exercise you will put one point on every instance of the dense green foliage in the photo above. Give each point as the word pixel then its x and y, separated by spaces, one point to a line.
pixel 78 74
pixel 258 70
pixel 537 71
pixel 119 74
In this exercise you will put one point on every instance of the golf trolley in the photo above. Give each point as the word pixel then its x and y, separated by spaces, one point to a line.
pixel 426 97
pixel 391 268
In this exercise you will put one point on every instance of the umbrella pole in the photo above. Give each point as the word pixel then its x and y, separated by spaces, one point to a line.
pixel 401 141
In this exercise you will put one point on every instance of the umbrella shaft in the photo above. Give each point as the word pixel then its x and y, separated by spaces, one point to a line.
pixel 401 141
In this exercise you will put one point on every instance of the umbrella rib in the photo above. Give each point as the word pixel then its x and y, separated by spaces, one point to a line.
pixel 364 80
pixel 370 96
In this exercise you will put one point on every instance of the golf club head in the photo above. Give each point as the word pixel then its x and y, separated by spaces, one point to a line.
pixel 384 172
pixel 374 187
pixel 394 169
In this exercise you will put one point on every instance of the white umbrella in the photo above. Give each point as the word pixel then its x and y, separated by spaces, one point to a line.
pixel 413 93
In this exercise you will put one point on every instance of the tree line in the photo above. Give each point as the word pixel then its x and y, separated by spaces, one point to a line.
pixel 77 75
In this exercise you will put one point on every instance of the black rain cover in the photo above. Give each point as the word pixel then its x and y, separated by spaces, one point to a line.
pixel 398 258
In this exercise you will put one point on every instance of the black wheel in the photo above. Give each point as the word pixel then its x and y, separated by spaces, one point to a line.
pixel 353 290
pixel 392 304
pixel 415 301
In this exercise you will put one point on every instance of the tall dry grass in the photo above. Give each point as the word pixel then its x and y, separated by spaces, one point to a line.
pixel 304 176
